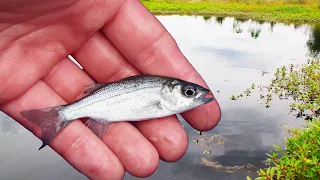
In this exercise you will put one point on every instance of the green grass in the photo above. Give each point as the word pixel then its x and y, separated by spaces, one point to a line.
pixel 272 11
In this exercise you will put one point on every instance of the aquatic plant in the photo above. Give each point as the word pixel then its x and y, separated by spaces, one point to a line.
pixel 300 83
pixel 300 159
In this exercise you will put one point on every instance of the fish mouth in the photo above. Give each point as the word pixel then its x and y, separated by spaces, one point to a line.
pixel 207 96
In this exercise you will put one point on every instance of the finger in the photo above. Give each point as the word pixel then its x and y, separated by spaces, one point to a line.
pixel 137 155
pixel 167 134
pixel 152 50
pixel 67 80
pixel 100 59
pixel 37 45
pixel 76 144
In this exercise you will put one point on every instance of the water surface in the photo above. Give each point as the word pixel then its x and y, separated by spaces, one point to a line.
pixel 230 54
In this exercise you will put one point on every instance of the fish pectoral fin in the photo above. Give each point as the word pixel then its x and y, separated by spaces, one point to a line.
pixel 98 127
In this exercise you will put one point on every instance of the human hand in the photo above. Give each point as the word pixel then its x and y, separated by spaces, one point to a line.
pixel 111 39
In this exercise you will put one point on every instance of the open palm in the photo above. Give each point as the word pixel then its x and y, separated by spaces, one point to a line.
pixel 111 39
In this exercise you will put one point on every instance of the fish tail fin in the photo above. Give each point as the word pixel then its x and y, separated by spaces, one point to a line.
pixel 49 120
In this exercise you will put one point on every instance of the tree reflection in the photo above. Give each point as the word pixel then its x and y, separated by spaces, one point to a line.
pixel 297 26
pixel 255 32
pixel 261 22
pixel 220 20
pixel 314 41
pixel 272 26
pixel 243 20
pixel 206 18
pixel 236 26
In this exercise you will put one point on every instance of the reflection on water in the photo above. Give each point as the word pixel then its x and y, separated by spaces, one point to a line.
pixel 206 18
pixel 230 54
pixel 20 158
pixel 219 20
pixel 255 33
pixel 314 41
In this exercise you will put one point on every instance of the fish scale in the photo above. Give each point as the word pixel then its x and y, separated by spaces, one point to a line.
pixel 117 107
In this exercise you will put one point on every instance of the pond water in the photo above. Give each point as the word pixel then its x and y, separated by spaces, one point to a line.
pixel 230 54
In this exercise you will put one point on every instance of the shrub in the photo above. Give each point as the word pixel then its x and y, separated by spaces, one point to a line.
pixel 301 157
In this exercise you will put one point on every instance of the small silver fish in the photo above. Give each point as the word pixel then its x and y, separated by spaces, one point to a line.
pixel 134 98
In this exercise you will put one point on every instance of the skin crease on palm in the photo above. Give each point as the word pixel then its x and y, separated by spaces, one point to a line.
pixel 111 39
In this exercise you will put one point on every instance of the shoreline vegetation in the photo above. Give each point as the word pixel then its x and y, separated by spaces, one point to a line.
pixel 283 11
pixel 300 84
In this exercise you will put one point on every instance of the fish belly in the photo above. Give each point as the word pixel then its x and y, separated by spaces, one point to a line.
pixel 133 106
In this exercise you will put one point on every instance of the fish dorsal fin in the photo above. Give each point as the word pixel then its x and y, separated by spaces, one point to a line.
pixel 95 86
pixel 134 77
pixel 91 88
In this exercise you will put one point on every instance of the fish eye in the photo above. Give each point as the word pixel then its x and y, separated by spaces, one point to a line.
pixel 189 90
